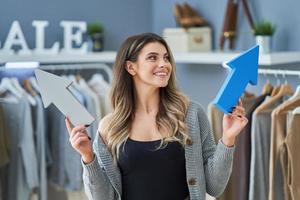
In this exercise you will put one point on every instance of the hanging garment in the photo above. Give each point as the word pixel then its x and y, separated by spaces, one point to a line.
pixel 0 190
pixel 96 112
pixel 4 141
pixel 90 106
pixel 278 134
pixel 4 149
pixel 215 117
pixel 22 168
pixel 41 147
pixel 242 154
pixel 102 88
pixel 260 150
pixel 290 160
pixel 93 94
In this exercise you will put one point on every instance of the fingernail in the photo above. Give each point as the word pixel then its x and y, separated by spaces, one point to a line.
pixel 87 125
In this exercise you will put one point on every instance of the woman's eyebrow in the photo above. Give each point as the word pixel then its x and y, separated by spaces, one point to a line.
pixel 152 53
pixel 155 53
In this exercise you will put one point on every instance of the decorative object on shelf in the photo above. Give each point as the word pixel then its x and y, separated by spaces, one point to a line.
pixel 263 32
pixel 193 33
pixel 230 22
pixel 197 39
pixel 229 25
pixel 186 16
pixel 96 33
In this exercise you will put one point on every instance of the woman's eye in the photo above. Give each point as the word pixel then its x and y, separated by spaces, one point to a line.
pixel 152 58
pixel 167 58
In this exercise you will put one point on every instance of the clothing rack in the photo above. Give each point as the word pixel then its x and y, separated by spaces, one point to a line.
pixel 53 67
pixel 79 66
pixel 279 71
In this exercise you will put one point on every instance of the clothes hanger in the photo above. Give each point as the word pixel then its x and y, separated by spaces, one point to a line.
pixel 296 111
pixel 27 86
pixel 268 87
pixel 16 83
pixel 78 76
pixel 296 94
pixel 34 84
pixel 73 79
pixel 277 87
pixel 285 90
pixel 6 85
pixel 97 78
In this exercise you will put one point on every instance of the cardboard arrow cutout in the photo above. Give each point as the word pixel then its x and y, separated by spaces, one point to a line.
pixel 54 89
pixel 244 70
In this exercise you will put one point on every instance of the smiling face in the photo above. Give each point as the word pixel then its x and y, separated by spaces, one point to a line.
pixel 153 67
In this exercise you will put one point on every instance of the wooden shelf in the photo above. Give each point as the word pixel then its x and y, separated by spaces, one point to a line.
pixel 214 58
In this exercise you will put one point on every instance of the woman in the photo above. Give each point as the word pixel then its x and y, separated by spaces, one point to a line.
pixel 156 144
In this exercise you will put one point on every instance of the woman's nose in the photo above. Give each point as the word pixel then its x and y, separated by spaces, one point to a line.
pixel 162 63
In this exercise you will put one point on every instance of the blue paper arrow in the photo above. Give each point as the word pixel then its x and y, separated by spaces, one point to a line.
pixel 244 69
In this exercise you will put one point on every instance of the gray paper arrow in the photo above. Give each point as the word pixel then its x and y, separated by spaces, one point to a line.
pixel 54 89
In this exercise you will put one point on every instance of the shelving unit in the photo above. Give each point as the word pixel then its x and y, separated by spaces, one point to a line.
pixel 214 58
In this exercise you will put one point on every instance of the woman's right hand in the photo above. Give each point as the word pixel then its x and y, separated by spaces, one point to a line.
pixel 80 141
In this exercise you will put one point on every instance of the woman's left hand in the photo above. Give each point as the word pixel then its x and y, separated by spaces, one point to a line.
pixel 233 124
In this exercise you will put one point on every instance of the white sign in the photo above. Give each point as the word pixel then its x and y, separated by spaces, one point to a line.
pixel 15 37
pixel 54 89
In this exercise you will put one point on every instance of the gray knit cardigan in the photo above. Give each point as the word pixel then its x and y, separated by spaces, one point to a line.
pixel 208 166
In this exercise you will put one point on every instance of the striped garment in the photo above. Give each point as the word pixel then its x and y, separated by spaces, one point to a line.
pixel 208 166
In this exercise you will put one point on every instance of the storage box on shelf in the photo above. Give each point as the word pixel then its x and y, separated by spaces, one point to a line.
pixel 196 39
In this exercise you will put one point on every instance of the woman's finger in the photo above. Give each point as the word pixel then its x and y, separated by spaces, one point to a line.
pixel 76 136
pixel 237 116
pixel 79 140
pixel 69 125
pixel 80 128
pixel 240 109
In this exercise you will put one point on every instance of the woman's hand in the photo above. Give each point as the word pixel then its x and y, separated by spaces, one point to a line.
pixel 80 141
pixel 233 124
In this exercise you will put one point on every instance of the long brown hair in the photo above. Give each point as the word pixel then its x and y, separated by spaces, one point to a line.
pixel 173 104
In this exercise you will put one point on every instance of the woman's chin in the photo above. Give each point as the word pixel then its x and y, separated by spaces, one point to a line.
pixel 163 84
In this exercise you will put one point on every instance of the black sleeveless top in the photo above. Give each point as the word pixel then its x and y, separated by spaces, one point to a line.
pixel 151 174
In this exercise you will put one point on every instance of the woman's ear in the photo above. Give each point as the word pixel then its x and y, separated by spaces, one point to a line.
pixel 130 68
